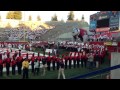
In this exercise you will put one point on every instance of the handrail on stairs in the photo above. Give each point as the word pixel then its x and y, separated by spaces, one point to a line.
pixel 96 72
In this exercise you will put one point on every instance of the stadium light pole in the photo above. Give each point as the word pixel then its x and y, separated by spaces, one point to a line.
pixel 24 29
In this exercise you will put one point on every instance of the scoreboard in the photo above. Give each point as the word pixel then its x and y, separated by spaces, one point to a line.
pixel 105 19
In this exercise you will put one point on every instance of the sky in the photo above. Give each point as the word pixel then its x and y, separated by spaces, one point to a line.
pixel 46 15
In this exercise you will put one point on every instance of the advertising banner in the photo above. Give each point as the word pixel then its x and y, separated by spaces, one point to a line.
pixel 92 25
pixel 114 22
pixel 111 43
pixel 108 43
pixel 102 29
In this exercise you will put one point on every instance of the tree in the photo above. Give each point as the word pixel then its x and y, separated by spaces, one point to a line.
pixel 18 15
pixel 71 16
pixel 10 15
pixel 38 18
pixel 14 15
pixel 54 18
pixel 30 18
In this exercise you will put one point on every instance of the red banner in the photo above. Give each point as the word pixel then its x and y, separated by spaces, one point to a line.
pixel 102 29
pixel 14 42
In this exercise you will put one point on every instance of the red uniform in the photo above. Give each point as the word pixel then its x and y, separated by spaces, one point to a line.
pixel 75 57
pixel 1 67
pixel 57 60
pixel 53 58
pixel 1 62
pixel 39 58
pixel 7 61
pixel 48 59
pixel 66 58
pixel 19 59
pixel 84 57
pixel 33 59
pixel 48 62
pixel 13 62
pixel 83 60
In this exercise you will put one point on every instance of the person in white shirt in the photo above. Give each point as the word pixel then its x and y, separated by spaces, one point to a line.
pixel 36 66
pixel 101 38
pixel 4 56
pixel 30 46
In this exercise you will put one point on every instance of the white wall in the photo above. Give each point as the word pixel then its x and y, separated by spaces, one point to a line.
pixel 115 60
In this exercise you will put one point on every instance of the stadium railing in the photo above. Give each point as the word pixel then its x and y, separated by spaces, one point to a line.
pixel 96 73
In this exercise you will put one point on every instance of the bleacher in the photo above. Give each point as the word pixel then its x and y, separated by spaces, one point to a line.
pixel 58 28
pixel 61 28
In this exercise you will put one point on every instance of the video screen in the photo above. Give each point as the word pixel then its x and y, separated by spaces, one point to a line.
pixel 103 23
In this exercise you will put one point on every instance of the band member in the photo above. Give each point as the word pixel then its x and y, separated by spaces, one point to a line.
pixel 1 65
pixel 48 62
pixel 85 59
pixel 97 59
pixel 61 68
pixel 32 62
pixel 78 59
pixel 39 59
pixel 57 61
pixel 103 56
pixel 70 60
pixel 8 61
pixel 82 59
pixel 19 63
pixel 74 59
pixel 44 62
pixel 15 55
pixel 66 60
pixel 53 62
pixel 100 56
pixel 13 65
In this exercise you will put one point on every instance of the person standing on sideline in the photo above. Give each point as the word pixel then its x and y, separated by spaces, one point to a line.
pixel 57 61
pixel 74 59
pixel 13 65
pixel 19 63
pixel 97 59
pixel 8 61
pixel 70 60
pixel 53 61
pixel 25 65
pixel 66 60
pixel 36 66
pixel 32 62
pixel 90 59
pixel 61 69
pixel 1 65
